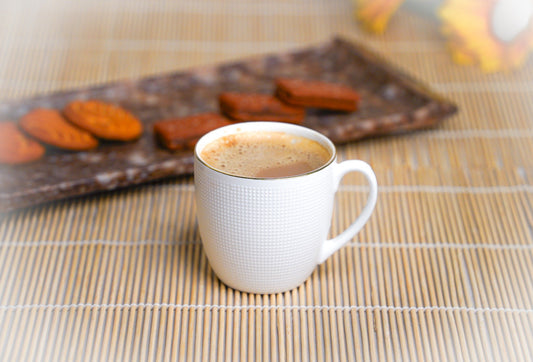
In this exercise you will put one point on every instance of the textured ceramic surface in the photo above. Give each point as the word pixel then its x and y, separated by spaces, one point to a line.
pixel 268 235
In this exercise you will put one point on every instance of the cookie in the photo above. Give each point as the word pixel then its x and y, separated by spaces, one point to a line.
pixel 104 120
pixel 259 107
pixel 316 94
pixel 49 127
pixel 15 147
pixel 183 133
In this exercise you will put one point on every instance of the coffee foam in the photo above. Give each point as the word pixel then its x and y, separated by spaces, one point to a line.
pixel 265 154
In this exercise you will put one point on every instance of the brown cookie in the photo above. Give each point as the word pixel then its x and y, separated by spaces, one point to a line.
pixel 259 107
pixel 317 94
pixel 104 120
pixel 181 133
pixel 49 126
pixel 15 147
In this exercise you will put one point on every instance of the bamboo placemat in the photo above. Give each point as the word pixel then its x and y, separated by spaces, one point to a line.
pixel 442 271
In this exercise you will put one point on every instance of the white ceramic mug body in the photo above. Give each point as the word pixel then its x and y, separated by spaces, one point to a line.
pixel 268 235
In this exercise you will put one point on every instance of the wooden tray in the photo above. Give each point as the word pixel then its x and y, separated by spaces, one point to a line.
pixel 390 103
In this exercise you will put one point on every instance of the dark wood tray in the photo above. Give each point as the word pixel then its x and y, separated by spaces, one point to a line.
pixel 391 103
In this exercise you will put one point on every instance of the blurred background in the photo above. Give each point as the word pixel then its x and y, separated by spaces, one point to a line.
pixel 49 45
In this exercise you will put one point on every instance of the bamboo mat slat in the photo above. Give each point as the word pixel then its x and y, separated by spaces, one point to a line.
pixel 442 271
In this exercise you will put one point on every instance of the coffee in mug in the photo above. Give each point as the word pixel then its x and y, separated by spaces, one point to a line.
pixel 265 154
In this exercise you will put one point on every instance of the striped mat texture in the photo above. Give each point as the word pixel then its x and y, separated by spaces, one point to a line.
pixel 442 271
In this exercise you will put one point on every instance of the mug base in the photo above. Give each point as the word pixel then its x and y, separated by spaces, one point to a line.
pixel 257 289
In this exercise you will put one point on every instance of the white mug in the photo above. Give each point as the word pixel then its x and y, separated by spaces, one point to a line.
pixel 268 235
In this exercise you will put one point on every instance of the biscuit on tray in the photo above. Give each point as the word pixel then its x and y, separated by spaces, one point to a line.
pixel 315 94
pixel 104 120
pixel 15 147
pixel 49 127
pixel 259 107
pixel 183 133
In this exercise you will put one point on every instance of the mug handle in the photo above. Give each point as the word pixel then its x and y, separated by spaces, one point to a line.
pixel 332 245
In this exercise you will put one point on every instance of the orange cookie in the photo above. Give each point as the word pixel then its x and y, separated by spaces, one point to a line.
pixel 49 126
pixel 15 147
pixel 104 120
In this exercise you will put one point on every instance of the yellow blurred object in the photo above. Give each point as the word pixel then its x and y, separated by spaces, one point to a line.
pixel 374 15
pixel 497 35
